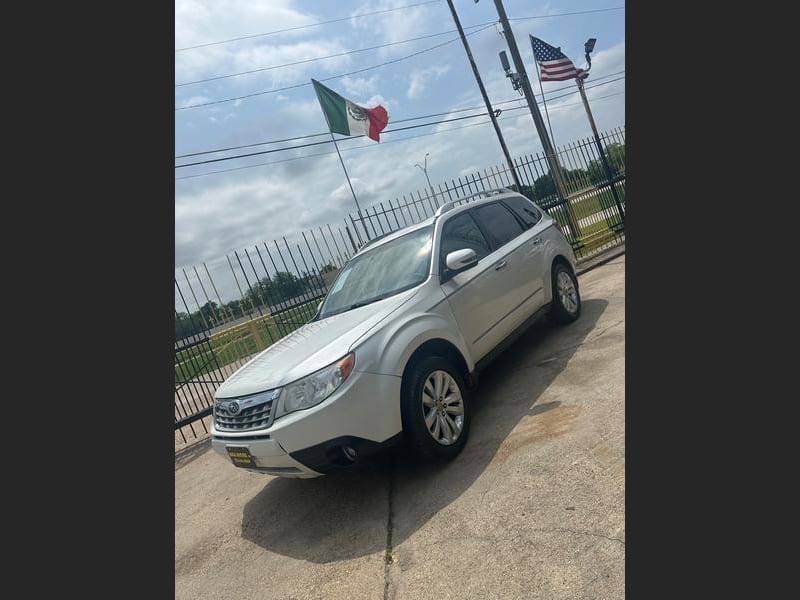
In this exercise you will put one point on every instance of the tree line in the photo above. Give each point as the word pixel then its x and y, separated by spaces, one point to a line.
pixel 595 174
pixel 266 292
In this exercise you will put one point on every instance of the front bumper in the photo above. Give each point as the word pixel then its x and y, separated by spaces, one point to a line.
pixel 363 414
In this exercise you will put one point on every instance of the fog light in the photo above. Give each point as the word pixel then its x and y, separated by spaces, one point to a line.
pixel 349 453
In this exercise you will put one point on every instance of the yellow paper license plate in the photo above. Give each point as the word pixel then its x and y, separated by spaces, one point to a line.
pixel 241 457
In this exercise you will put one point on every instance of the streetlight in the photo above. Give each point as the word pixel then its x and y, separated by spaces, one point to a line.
pixel 589 47
pixel 424 169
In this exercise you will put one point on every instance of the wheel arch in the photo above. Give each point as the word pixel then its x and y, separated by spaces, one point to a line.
pixel 557 259
pixel 560 259
pixel 438 347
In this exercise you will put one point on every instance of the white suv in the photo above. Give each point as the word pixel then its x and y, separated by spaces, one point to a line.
pixel 396 346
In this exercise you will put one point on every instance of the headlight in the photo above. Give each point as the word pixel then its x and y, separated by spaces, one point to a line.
pixel 313 389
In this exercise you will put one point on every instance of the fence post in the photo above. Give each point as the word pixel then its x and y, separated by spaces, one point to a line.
pixel 350 235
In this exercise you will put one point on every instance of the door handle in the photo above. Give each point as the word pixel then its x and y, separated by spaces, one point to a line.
pixel 501 265
pixel 537 241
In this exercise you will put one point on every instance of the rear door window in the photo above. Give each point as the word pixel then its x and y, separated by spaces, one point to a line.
pixel 524 209
pixel 498 222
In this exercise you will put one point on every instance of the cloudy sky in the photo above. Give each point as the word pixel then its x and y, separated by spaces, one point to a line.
pixel 220 212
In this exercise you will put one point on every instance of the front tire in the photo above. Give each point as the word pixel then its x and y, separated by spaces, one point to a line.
pixel 566 305
pixel 435 410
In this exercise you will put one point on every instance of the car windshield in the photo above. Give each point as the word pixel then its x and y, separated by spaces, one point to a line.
pixel 386 270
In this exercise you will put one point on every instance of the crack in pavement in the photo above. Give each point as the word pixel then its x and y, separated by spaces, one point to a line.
pixel 555 355
pixel 588 533
pixel 387 557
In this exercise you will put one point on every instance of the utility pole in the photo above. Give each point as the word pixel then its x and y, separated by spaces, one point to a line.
pixel 588 47
pixel 524 82
pixel 425 170
pixel 489 109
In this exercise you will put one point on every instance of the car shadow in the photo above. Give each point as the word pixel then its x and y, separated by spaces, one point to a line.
pixel 345 515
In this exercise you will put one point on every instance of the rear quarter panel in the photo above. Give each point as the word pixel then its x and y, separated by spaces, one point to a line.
pixel 555 244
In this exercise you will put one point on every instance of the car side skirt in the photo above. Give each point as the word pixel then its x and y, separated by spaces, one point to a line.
pixel 510 339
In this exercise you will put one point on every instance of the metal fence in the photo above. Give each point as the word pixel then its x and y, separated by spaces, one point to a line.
pixel 274 288
pixel 589 215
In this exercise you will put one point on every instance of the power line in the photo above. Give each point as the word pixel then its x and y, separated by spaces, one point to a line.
pixel 358 16
pixel 410 137
pixel 313 135
pixel 261 152
pixel 213 160
pixel 308 60
pixel 298 85
pixel 386 45
pixel 255 35
pixel 580 12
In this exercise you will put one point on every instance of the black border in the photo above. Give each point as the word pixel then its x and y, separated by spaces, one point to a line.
pixel 90 234
pixel 89 230
pixel 704 245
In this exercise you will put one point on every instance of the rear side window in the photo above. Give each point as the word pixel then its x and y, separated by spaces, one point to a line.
pixel 498 222
pixel 524 209
pixel 459 233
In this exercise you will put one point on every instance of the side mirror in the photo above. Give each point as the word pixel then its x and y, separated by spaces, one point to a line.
pixel 460 260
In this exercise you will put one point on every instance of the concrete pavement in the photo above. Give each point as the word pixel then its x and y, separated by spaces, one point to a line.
pixel 533 507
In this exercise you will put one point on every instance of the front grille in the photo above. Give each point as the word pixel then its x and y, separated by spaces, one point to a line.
pixel 254 413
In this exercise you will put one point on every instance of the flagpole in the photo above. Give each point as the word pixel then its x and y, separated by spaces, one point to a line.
pixel 335 145
pixel 345 172
pixel 544 102
pixel 544 137
pixel 603 159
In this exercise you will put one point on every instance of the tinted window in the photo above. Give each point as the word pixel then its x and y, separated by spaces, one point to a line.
pixel 524 209
pixel 461 232
pixel 498 221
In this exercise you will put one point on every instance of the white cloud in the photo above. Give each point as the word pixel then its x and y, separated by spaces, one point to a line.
pixel 394 26
pixel 389 105
pixel 359 86
pixel 204 21
pixel 192 101
pixel 419 78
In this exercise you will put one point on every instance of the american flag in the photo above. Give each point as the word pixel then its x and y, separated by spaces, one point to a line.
pixel 554 65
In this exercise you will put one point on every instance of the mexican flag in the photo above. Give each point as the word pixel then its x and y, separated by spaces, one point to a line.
pixel 348 118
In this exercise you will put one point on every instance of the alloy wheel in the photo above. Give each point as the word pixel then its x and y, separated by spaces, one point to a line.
pixel 443 407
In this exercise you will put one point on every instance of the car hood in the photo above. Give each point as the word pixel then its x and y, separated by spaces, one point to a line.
pixel 309 348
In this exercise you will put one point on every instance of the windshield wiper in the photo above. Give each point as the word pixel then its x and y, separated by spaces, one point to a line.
pixel 359 304
pixel 363 303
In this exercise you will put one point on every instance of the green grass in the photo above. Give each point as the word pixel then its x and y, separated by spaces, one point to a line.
pixel 586 207
pixel 240 342
pixel 594 234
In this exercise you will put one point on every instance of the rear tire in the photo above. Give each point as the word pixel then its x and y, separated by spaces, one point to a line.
pixel 566 306
pixel 445 408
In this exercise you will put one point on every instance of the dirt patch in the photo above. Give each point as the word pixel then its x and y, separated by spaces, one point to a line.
pixel 190 453
pixel 537 429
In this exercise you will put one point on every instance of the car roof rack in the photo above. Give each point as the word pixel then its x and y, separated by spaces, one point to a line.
pixel 443 209
pixel 482 194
